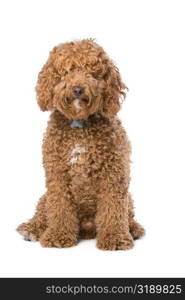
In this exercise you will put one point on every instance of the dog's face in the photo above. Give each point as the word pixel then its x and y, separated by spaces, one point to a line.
pixel 79 80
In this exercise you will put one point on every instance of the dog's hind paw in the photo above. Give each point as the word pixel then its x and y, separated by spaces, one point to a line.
pixel 27 231
pixel 28 236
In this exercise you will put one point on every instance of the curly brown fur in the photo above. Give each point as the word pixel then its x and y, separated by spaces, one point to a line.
pixel 87 167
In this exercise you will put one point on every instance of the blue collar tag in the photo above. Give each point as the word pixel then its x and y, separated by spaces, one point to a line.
pixel 76 124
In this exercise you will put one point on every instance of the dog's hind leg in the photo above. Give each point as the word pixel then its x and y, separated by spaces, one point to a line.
pixel 135 228
pixel 33 229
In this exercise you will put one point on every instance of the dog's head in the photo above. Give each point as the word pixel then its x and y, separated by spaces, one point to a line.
pixel 79 80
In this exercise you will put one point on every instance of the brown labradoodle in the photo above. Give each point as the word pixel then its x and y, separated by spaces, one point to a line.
pixel 86 153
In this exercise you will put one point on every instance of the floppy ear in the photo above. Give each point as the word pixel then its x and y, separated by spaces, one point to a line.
pixel 47 79
pixel 114 91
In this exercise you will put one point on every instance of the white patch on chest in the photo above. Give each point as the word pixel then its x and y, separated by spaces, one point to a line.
pixel 76 124
pixel 75 153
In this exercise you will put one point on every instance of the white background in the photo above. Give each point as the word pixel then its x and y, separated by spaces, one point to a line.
pixel 146 39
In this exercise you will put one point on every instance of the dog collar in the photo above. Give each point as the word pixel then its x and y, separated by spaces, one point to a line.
pixel 76 124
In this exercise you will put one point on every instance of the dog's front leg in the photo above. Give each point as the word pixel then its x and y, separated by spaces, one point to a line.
pixel 62 221
pixel 112 223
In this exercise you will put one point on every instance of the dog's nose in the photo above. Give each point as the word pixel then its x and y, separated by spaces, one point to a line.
pixel 77 90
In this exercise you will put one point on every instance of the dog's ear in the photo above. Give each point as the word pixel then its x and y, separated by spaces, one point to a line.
pixel 115 90
pixel 47 79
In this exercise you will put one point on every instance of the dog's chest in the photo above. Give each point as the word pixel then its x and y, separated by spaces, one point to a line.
pixel 81 157
pixel 85 151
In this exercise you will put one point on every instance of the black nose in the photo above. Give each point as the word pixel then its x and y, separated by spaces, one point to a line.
pixel 77 90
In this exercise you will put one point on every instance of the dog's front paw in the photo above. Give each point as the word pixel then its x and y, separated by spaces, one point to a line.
pixel 115 242
pixel 52 238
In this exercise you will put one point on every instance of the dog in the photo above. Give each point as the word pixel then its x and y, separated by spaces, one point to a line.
pixel 86 153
